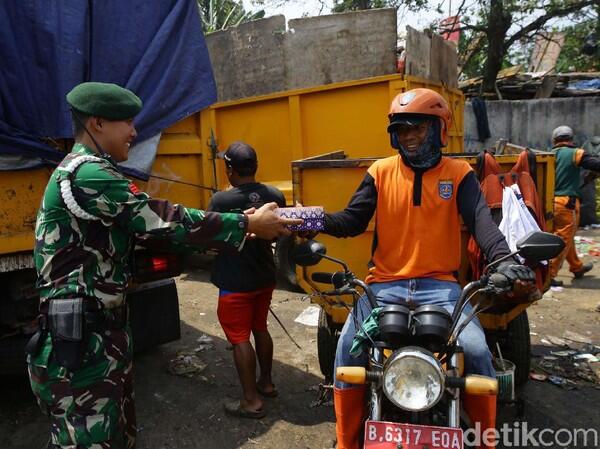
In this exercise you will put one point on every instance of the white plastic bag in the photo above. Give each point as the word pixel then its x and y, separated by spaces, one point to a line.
pixel 517 221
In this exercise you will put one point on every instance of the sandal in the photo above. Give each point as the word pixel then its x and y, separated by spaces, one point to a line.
pixel 267 394
pixel 234 408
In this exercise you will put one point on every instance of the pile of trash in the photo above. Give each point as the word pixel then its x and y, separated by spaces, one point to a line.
pixel 187 363
pixel 587 246
pixel 573 361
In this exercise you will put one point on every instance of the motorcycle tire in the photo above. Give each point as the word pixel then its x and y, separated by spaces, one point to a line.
pixel 327 338
pixel 516 347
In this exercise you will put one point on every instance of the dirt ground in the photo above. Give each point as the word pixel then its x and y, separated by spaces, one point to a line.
pixel 187 412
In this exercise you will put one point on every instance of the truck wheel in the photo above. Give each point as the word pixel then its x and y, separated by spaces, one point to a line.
pixel 516 347
pixel 286 268
pixel 327 338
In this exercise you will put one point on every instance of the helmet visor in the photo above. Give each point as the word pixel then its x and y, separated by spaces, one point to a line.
pixel 407 119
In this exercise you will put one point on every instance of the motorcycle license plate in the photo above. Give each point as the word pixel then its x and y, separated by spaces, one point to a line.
pixel 389 435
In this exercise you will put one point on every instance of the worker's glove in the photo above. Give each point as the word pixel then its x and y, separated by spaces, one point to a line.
pixel 514 271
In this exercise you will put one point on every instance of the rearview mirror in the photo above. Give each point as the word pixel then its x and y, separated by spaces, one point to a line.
pixel 539 246
pixel 308 253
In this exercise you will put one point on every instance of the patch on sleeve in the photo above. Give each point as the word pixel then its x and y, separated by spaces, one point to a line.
pixel 134 189
pixel 445 188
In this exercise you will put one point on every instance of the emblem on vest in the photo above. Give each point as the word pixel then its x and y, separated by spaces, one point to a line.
pixel 254 197
pixel 445 189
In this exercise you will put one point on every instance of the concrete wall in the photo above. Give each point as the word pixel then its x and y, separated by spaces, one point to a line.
pixel 261 57
pixel 530 122
pixel 340 47
pixel 249 59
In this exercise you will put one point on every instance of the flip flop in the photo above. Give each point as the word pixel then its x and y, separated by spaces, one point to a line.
pixel 234 408
pixel 268 394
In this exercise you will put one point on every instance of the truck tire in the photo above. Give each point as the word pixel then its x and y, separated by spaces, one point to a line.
pixel 286 268
pixel 327 339
pixel 516 347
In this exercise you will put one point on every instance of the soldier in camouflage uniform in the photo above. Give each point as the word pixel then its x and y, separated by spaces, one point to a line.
pixel 85 228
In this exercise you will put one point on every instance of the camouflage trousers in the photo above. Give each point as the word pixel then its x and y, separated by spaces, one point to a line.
pixel 92 407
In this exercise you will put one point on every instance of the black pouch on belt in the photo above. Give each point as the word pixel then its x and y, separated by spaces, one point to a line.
pixel 35 343
pixel 66 325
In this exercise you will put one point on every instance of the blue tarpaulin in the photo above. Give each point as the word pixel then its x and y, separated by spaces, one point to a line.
pixel 155 48
pixel 585 84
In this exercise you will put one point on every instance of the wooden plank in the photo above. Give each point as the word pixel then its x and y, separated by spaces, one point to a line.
pixel 547 87
pixel 418 54
pixel 438 59
pixel 452 65
pixel 510 71
pixel 444 61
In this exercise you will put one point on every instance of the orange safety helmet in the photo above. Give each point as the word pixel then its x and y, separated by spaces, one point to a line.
pixel 420 102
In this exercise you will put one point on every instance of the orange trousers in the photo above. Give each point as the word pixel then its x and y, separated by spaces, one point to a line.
pixel 566 222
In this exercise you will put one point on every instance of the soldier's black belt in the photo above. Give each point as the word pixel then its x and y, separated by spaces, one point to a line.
pixel 100 320
pixel 70 322
pixel 95 318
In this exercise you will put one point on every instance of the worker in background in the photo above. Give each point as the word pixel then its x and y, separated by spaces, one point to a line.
pixel 246 281
pixel 80 361
pixel 569 160
pixel 587 217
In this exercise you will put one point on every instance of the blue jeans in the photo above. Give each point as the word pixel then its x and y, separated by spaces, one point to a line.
pixel 478 359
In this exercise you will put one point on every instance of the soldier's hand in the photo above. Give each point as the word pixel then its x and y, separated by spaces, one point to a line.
pixel 250 211
pixel 266 224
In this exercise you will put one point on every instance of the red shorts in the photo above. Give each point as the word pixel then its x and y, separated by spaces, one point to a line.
pixel 243 312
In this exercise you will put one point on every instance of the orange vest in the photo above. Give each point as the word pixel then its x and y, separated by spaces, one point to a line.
pixel 416 241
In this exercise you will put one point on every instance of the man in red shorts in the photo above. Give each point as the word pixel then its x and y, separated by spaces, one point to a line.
pixel 246 281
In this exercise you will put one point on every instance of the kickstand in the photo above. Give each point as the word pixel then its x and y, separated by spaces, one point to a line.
pixel 325 395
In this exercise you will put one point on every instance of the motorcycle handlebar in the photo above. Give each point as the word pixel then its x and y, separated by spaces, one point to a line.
pixel 370 296
pixel 342 283
pixel 321 277
pixel 337 279
pixel 499 281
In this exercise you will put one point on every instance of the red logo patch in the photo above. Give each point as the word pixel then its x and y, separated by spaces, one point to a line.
pixel 133 188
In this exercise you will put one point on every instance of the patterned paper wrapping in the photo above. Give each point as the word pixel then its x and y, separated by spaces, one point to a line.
pixel 314 217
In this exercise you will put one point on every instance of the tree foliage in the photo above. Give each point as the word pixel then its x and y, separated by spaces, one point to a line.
pixel 571 56
pixel 355 5
pixel 220 14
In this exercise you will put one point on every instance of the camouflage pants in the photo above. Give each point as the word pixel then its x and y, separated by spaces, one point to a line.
pixel 92 407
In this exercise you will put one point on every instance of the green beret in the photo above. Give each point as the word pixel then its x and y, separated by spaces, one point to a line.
pixel 104 100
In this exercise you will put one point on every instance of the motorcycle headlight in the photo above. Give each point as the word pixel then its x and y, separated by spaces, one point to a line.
pixel 413 379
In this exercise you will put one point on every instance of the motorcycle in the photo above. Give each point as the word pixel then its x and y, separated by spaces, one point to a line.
pixel 416 366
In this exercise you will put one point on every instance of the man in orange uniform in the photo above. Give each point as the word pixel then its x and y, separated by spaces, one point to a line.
pixel 567 199
pixel 419 197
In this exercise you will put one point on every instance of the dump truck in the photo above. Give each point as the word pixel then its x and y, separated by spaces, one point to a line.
pixel 300 124
pixel 48 49
pixel 180 132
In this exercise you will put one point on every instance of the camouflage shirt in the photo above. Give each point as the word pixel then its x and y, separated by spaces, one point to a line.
pixel 90 258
